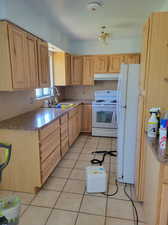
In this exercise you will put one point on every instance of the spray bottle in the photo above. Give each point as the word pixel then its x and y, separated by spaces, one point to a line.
pixel 153 122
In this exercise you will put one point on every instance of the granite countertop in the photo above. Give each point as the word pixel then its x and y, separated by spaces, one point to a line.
pixel 161 155
pixel 35 119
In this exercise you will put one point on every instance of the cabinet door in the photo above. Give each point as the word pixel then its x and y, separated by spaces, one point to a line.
pixel 86 118
pixel 132 59
pixel 114 63
pixel 17 40
pixel 32 61
pixel 68 68
pixel 164 206
pixel 76 70
pixel 101 64
pixel 88 70
pixel 43 64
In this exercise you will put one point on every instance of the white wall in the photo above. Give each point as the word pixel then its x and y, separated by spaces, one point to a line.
pixel 165 6
pixel 21 13
pixel 127 45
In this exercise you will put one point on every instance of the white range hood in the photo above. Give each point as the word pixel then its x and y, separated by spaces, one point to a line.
pixel 106 76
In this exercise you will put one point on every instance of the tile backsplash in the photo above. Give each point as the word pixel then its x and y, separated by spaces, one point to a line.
pixel 15 103
pixel 87 92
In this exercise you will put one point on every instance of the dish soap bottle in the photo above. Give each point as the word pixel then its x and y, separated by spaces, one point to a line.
pixel 152 125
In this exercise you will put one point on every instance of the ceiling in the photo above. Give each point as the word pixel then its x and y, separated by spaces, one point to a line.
pixel 124 18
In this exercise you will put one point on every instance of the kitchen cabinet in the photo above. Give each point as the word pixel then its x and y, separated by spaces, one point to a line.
pixel 88 70
pixel 131 59
pixel 32 76
pixel 153 84
pixel 35 154
pixel 64 134
pixel 74 124
pixel 62 69
pixel 23 59
pixel 76 70
pixel 101 64
pixel 43 62
pixel 86 118
pixel 115 63
pixel 155 189
pixel 17 51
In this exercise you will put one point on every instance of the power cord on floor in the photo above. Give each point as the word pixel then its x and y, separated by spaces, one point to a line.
pixel 100 162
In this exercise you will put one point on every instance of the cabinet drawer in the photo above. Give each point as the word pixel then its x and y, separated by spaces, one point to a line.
pixel 44 132
pixel 64 146
pixel 49 164
pixel 72 113
pixel 49 144
pixel 64 119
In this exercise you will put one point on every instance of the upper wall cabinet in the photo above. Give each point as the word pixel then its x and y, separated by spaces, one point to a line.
pixel 114 63
pixel 43 62
pixel 62 69
pixel 101 64
pixel 21 65
pixel 131 59
pixel 88 70
pixel 76 70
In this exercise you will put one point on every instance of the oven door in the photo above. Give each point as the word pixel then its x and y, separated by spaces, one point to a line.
pixel 104 116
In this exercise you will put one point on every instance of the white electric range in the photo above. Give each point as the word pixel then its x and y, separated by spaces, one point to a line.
pixel 104 114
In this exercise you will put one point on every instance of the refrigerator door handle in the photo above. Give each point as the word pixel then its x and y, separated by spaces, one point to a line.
pixel 124 107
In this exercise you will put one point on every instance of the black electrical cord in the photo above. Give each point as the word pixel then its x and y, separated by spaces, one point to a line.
pixel 133 204
pixel 100 162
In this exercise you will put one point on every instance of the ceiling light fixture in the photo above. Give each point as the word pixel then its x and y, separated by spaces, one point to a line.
pixel 93 6
pixel 104 36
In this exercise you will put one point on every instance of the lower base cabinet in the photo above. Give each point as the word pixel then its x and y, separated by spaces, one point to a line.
pixel 64 134
pixel 86 118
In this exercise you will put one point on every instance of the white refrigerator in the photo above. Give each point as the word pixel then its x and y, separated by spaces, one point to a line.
pixel 127 107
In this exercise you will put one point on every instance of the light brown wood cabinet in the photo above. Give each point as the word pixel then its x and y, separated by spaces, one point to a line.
pixel 115 63
pixel 74 124
pixel 131 59
pixel 62 69
pixel 43 62
pixel 76 70
pixel 64 134
pixel 23 59
pixel 35 155
pixel 153 84
pixel 101 64
pixel 88 70
pixel 86 118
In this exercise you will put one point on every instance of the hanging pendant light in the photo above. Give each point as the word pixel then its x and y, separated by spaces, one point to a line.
pixel 104 36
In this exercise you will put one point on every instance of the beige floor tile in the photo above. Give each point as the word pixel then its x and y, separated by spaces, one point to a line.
pixel 120 209
pixel 46 198
pixel 78 144
pixel 120 194
pixel 26 198
pixel 78 174
pixel 82 164
pixel 93 205
pixel 35 216
pixel 86 157
pixel 112 221
pixel 60 217
pixel 112 178
pixel 69 201
pixel 75 150
pixel 55 184
pixel 75 186
pixel 84 219
pixel 66 163
pixel 71 156
pixel 23 209
pixel 61 172
pixel 139 207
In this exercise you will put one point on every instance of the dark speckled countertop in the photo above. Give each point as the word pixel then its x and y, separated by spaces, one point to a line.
pixel 35 119
pixel 161 155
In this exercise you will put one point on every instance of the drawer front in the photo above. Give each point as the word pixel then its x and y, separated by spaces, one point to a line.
pixel 49 164
pixel 64 147
pixel 72 113
pixel 64 119
pixel 49 129
pixel 49 144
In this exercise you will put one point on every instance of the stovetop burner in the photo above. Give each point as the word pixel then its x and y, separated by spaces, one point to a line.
pixel 100 100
